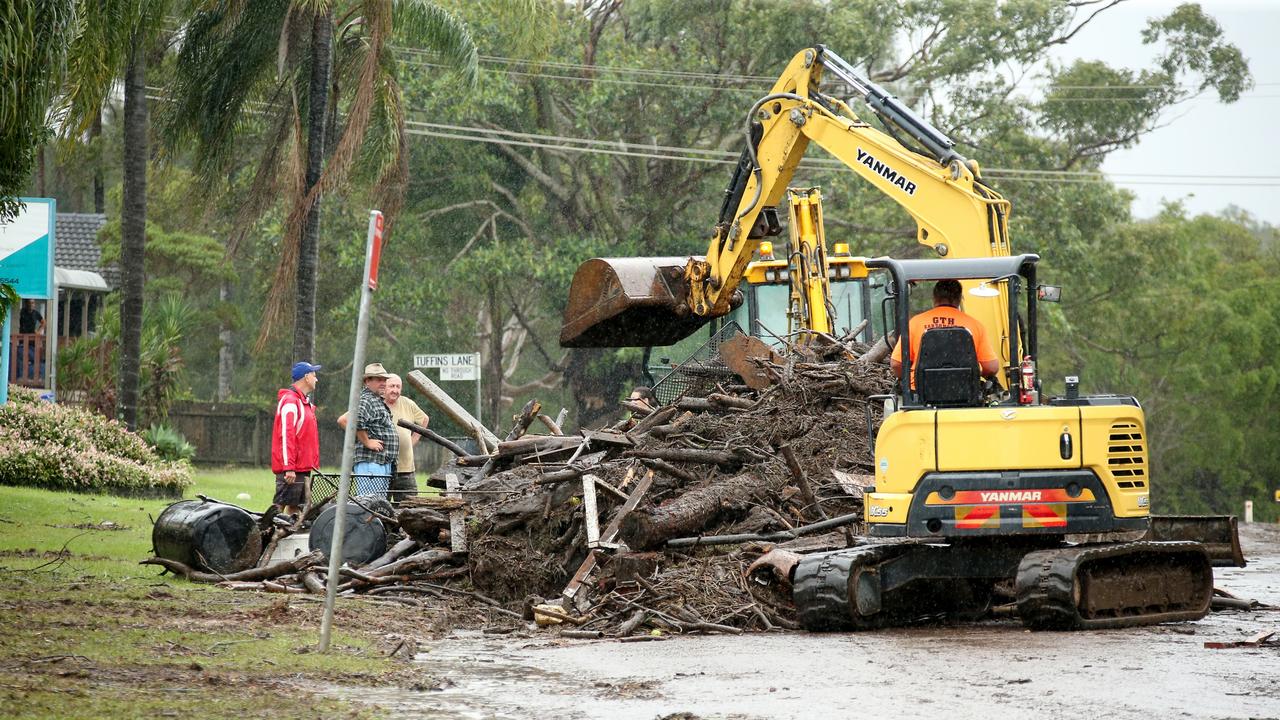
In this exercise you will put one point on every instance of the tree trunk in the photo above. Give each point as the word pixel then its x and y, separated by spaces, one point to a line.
pixel 40 182
pixel 99 185
pixel 492 369
pixel 133 232
pixel 695 511
pixel 304 329
pixel 226 365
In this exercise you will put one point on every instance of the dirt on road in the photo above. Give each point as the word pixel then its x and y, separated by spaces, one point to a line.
pixel 991 669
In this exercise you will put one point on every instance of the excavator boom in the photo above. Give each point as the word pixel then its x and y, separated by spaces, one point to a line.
pixel 632 302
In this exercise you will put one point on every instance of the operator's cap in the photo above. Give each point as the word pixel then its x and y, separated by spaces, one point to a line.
pixel 300 370
pixel 375 370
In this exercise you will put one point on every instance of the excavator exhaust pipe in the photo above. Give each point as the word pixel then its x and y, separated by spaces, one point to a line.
pixel 629 302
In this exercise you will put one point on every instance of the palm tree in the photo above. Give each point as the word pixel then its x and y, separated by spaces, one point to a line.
pixel 116 37
pixel 268 64
pixel 33 41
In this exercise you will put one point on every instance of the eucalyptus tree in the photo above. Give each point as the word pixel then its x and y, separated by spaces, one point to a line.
pixel 319 78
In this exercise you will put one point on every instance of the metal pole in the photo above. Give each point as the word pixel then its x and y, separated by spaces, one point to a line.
pixel 479 372
pixel 349 436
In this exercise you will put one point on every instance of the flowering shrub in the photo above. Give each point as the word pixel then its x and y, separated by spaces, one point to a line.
pixel 61 447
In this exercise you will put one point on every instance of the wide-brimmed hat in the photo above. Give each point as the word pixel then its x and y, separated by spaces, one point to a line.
pixel 375 370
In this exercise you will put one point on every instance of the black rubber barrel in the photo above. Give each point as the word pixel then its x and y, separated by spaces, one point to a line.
pixel 211 535
pixel 363 538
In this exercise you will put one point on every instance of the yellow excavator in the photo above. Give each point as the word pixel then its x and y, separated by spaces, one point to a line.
pixel 973 489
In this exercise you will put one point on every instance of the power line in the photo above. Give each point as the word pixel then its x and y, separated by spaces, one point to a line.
pixel 694 75
pixel 620 148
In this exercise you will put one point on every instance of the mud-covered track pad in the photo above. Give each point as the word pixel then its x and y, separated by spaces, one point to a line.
pixel 1109 586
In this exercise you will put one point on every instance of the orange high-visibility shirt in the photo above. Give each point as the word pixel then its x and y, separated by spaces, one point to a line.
pixel 945 316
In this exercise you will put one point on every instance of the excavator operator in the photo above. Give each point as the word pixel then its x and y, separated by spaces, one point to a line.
pixel 946 313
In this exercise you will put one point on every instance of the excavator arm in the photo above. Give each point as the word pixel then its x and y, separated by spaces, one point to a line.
pixel 656 301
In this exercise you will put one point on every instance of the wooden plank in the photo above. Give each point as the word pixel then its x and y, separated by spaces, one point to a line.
pixel 457 518
pixel 610 534
pixel 450 407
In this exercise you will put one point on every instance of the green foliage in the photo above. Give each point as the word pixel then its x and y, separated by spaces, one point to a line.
pixel 8 299
pixel 62 447
pixel 168 443
pixel 34 35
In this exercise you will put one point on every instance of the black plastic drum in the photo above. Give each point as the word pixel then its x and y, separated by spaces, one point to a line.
pixel 219 537
pixel 363 539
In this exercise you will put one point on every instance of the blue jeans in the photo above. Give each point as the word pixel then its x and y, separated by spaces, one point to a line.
pixel 371 478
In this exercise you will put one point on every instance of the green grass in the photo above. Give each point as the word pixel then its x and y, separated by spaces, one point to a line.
pixel 88 632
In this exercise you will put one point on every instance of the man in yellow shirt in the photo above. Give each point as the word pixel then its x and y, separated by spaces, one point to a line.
pixel 946 313
pixel 405 481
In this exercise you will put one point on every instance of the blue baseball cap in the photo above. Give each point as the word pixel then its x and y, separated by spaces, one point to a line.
pixel 302 368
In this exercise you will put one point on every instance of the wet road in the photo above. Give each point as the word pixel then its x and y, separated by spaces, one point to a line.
pixel 993 669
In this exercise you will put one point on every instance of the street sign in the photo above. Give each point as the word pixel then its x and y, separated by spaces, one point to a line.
pixel 447 360
pixel 454 366
pixel 461 372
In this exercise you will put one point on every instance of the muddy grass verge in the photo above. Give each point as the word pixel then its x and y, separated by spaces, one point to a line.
pixel 90 647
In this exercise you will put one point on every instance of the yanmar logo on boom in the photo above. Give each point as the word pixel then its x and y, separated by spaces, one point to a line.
pixel 886 172
pixel 1011 496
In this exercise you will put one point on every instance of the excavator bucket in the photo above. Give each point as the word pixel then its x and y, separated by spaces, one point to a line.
pixel 628 302
pixel 1218 533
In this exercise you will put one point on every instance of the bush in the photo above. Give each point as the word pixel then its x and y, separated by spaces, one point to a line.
pixel 168 443
pixel 62 447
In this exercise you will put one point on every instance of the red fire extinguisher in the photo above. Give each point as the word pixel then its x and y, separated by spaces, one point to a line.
pixel 1026 394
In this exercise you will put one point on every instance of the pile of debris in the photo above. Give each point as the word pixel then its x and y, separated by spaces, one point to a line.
pixel 651 524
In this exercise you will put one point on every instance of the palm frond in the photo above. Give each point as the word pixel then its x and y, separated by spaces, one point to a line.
pixel 427 25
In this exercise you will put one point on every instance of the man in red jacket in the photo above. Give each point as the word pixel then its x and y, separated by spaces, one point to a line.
pixel 295 441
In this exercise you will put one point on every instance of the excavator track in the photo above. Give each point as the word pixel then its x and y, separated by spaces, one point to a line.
pixel 1110 586
pixel 869 587
pixel 821 588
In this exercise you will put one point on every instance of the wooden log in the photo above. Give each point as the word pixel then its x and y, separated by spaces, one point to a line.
pixel 731 401
pixel 312 583
pixel 522 421
pixel 396 551
pixel 274 570
pixel 657 417
pixel 535 443
pixel 695 510
pixel 633 622
pixel 417 562
pixel 802 481
pixel 557 476
pixel 433 436
pixel 688 455
pixel 423 524
pixel 879 353
pixel 638 409
pixel 551 424
pixel 450 407
pixel 667 468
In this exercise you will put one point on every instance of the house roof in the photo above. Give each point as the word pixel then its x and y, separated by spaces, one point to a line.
pixel 77 248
